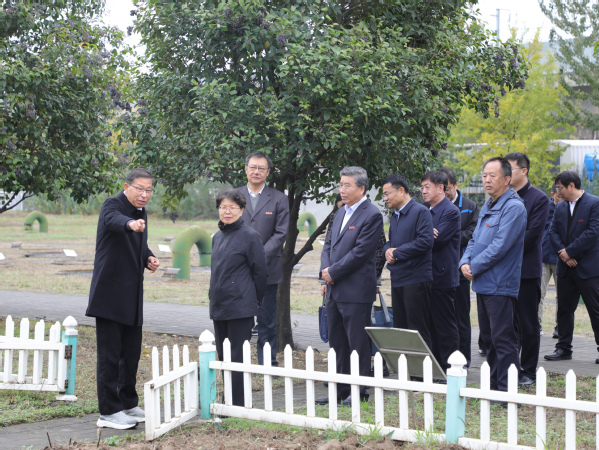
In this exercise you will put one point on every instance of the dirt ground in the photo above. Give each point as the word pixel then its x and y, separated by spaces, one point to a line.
pixel 253 439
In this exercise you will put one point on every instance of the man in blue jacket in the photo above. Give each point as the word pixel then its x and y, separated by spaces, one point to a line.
pixel 549 258
pixel 409 258
pixel 493 262
pixel 574 234
pixel 446 255
pixel 526 317
pixel 468 219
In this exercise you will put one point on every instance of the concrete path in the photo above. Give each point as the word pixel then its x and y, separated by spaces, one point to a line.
pixel 191 320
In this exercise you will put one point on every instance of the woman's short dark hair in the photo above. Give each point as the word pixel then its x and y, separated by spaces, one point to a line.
pixel 232 194
pixel 397 181
pixel 566 177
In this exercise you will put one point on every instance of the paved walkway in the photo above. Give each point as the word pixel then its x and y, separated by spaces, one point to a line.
pixel 191 320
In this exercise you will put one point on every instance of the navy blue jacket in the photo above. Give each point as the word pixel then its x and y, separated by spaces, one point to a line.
pixel 412 237
pixel 350 255
pixel 549 253
pixel 582 243
pixel 468 220
pixel 446 249
pixel 537 210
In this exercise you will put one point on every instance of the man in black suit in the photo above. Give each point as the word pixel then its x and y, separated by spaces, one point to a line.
pixel 116 299
pixel 409 258
pixel 468 219
pixel 526 313
pixel 574 234
pixel 446 255
pixel 348 267
pixel 267 212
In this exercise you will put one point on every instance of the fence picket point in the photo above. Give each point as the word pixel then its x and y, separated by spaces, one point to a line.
pixel 288 358
pixel 512 408
pixel 485 405
pixel 570 414
pixel 379 393
pixel 402 367
pixel 227 384
pixel 332 367
pixel 310 396
pixel 541 431
pixel 268 403
pixel 247 377
pixel 427 369
pixel 354 370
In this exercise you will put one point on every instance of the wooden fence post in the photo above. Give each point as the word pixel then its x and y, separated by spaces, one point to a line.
pixel 69 337
pixel 455 405
pixel 207 376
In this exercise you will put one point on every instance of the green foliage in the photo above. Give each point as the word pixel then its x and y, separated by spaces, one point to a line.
pixel 525 121
pixel 316 85
pixel 579 20
pixel 59 74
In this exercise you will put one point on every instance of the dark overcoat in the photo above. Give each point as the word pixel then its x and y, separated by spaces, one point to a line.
pixel 116 291
pixel 446 247
pixel 271 220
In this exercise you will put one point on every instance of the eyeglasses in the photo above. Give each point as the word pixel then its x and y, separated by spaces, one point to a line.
pixel 141 191
pixel 261 169
pixel 386 194
pixel 229 208
pixel 558 188
pixel 345 186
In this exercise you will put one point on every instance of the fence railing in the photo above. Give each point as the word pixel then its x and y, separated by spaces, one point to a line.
pixel 56 374
pixel 455 392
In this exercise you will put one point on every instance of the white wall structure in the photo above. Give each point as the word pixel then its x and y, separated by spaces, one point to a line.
pixel 575 152
pixel 8 195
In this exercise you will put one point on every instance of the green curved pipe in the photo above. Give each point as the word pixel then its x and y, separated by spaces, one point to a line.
pixel 182 246
pixel 307 217
pixel 32 217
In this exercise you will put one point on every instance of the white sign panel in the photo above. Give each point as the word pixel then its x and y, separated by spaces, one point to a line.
pixel 69 252
pixel 2 256
pixel 164 248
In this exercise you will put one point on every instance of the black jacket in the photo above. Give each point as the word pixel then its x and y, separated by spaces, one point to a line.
pixel 537 210
pixel 116 291
pixel 238 272
pixel 446 247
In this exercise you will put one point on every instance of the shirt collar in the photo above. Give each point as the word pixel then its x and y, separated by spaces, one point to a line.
pixel 350 210
pixel 252 192
pixel 574 202
pixel 398 211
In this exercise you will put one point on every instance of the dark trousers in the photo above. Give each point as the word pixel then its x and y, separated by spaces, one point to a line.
pixel 569 289
pixel 267 324
pixel 496 322
pixel 411 309
pixel 444 330
pixel 526 324
pixel 237 331
pixel 118 352
pixel 462 312
pixel 347 323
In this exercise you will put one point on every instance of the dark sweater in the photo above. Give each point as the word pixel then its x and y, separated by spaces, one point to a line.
pixel 537 210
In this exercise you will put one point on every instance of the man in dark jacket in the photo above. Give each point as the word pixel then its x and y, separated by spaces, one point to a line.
pixel 267 212
pixel 574 234
pixel 116 299
pixel 468 218
pixel 446 255
pixel 549 258
pixel 493 262
pixel 526 317
pixel 409 258
pixel 348 267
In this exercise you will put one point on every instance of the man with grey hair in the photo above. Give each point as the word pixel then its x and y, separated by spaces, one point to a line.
pixel 116 299
pixel 349 269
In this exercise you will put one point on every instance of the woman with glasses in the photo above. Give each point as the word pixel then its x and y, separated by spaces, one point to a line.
pixel 237 281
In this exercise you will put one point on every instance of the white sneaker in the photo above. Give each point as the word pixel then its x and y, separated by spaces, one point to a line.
pixel 119 421
pixel 136 413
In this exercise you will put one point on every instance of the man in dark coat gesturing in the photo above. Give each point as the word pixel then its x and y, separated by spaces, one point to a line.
pixel 116 299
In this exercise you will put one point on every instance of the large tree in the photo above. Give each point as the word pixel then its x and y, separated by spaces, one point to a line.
pixel 316 84
pixel 579 68
pixel 527 121
pixel 59 86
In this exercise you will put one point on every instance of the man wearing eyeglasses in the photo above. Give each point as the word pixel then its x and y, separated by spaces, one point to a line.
pixel 116 299
pixel 267 212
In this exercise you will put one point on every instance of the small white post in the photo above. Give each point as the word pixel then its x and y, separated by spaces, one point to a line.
pixel 69 337
pixel 541 410
pixel 155 374
pixel 332 366
pixel 310 397
pixel 402 368
pixel 288 357
pixel 167 387
pixel 207 375
pixel 268 403
pixel 379 399
pixel 23 354
pixel 455 405
pixel 512 408
pixel 354 370
pixel 177 382
pixel 38 355
pixel 247 377
pixel 570 415
pixel 485 405
pixel 227 380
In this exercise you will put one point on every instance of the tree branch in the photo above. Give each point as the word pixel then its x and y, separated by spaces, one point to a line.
pixel 5 206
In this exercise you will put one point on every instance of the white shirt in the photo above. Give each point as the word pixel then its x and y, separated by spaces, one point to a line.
pixel 573 204
pixel 349 211
pixel 252 193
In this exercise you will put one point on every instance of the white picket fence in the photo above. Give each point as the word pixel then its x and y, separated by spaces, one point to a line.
pixel 31 377
pixel 169 384
pixel 455 391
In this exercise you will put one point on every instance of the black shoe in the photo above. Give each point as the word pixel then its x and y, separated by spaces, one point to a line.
pixel 555 334
pixel 559 355
pixel 325 400
pixel 363 398
pixel 482 352
pixel 526 381
pixel 597 361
